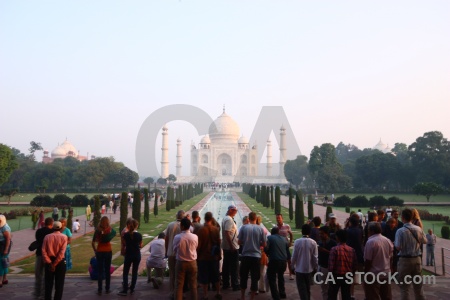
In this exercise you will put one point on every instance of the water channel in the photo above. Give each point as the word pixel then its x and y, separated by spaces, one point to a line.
pixel 218 204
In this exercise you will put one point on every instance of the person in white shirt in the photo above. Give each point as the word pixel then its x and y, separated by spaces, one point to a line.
pixel 185 248
pixel 304 262
pixel 76 226
pixel 378 258
pixel 431 242
pixel 157 261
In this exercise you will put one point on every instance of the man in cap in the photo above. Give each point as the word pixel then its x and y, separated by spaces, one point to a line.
pixel 333 225
pixel 230 248
pixel 53 251
pixel 285 231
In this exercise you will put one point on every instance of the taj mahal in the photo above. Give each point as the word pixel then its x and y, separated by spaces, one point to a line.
pixel 225 156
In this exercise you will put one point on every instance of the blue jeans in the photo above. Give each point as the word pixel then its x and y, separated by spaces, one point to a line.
pixel 430 255
pixel 128 261
pixel 104 266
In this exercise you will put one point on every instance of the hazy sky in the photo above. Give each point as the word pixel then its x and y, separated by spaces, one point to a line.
pixel 93 71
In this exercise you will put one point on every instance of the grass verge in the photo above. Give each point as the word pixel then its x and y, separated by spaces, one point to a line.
pixel 81 247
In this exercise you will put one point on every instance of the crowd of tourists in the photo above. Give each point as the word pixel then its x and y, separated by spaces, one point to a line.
pixel 222 256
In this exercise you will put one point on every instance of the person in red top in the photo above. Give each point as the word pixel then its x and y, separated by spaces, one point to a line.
pixel 53 250
pixel 103 252
pixel 342 261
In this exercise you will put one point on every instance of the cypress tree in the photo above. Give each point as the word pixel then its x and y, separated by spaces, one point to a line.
pixel 277 200
pixel 258 194
pixel 291 205
pixel 168 205
pixel 252 192
pixel 310 207
pixel 97 213
pixel 146 206
pixel 155 205
pixel 299 211
pixel 272 203
pixel 136 212
pixel 123 210
pixel 267 197
pixel 262 197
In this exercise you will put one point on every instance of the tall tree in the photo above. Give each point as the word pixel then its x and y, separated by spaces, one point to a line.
pixel 430 156
pixel 149 181
pixel 299 211
pixel 136 212
pixel 146 206
pixel 310 207
pixel 277 200
pixel 296 170
pixel 97 213
pixel 33 148
pixel 272 203
pixel 123 210
pixel 8 163
pixel 326 169
pixel 291 205
pixel 155 204
pixel 427 189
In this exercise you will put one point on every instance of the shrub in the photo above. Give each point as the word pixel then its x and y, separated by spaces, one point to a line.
pixel 347 209
pixel 377 201
pixel 445 232
pixel 80 200
pixel 342 201
pixel 360 201
pixel 395 201
pixel 42 200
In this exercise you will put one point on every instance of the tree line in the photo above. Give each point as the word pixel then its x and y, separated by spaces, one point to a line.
pixel 24 173
pixel 425 164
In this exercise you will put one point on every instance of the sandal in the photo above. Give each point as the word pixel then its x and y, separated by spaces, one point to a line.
pixel 5 281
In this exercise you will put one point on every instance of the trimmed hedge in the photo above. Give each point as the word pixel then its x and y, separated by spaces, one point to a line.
pixel 360 201
pixel 342 201
pixel 445 232
pixel 377 201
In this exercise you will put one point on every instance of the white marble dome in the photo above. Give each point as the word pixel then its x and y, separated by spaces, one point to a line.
pixel 59 152
pixel 205 140
pixel 243 140
pixel 224 130
pixel 68 147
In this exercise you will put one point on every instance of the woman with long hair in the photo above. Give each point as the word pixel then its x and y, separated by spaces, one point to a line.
pixel 133 245
pixel 416 218
pixel 101 243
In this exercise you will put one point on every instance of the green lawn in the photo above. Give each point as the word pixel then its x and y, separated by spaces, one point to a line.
pixel 25 221
pixel 82 250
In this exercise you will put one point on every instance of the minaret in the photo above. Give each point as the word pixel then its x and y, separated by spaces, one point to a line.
pixel 269 158
pixel 282 150
pixel 165 153
pixel 178 158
